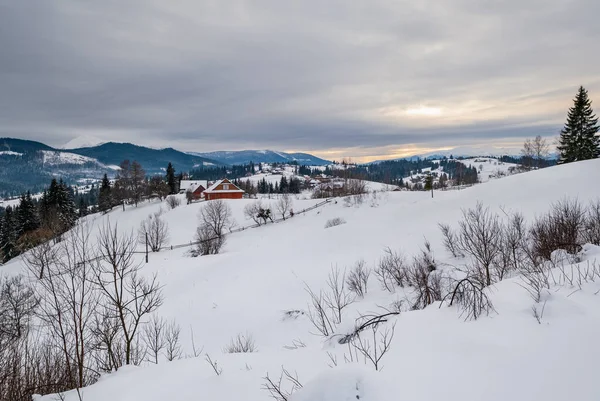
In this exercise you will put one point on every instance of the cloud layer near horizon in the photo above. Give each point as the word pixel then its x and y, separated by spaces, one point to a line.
pixel 364 79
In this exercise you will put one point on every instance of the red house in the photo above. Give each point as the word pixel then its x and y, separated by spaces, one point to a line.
pixel 223 189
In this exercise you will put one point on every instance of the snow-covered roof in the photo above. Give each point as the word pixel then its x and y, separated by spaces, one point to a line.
pixel 191 185
pixel 213 187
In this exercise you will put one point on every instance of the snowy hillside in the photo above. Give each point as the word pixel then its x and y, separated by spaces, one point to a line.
pixel 490 168
pixel 55 158
pixel 258 287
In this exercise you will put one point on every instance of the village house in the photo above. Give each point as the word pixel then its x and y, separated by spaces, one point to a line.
pixel 194 189
pixel 223 189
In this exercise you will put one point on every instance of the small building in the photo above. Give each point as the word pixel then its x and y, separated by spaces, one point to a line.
pixel 186 185
pixel 223 189
pixel 197 191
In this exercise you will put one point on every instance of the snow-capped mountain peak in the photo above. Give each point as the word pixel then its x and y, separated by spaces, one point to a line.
pixel 84 141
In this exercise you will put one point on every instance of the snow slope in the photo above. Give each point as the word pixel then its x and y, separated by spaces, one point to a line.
pixel 435 354
pixel 55 158
pixel 489 168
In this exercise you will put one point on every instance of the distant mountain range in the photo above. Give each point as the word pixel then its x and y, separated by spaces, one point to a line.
pixel 29 165
pixel 467 151
pixel 262 156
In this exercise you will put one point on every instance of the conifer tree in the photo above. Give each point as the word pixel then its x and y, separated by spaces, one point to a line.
pixel 171 181
pixel 8 235
pixel 27 216
pixel 579 139
pixel 105 199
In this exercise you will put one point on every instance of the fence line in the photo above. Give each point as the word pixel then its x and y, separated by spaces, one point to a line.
pixel 236 230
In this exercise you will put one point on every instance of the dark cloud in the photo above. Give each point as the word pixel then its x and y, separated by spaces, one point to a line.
pixel 307 75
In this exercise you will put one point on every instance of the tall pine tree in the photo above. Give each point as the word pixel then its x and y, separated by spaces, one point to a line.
pixel 105 198
pixel 579 139
pixel 171 181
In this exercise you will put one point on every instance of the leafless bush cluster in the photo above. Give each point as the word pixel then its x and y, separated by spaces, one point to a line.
pixel 358 279
pixel 215 218
pixel 591 232
pixel 496 247
pixel 471 297
pixel 336 221
pixel 425 279
pixel 285 205
pixel 391 270
pixel 354 200
pixel 162 340
pixel 84 313
pixel 282 389
pixel 154 231
pixel 326 307
pixel 242 343
pixel 450 240
pixel 256 212
pixel 374 349
pixel 207 242
pixel 561 228
pixel 173 201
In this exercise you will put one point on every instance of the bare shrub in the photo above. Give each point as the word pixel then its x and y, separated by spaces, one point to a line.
pixel 154 231
pixel 358 279
pixel 375 348
pixel 214 365
pixel 173 201
pixel 450 240
pixel 562 227
pixel 470 295
pixel 68 301
pixel 391 270
pixel 207 243
pixel 424 278
pixel 257 213
pixel 173 349
pixel 216 215
pixel 514 249
pixel 338 297
pixel 18 304
pixel 251 211
pixel 480 236
pixel 297 343
pixel 40 257
pixel 336 221
pixel 355 187
pixel 242 343
pixel 285 205
pixel 154 337
pixel 283 388
pixel 326 307
pixel 318 314
pixel 591 232
pixel 126 294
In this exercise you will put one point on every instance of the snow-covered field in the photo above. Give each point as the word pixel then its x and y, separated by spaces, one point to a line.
pixel 434 355
pixel 489 168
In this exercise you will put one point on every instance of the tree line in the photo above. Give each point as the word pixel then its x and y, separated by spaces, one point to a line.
pixel 131 185
pixel 32 222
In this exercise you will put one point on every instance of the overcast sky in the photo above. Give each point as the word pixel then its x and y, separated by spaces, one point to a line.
pixel 365 79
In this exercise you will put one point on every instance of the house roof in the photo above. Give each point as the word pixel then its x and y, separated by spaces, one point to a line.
pixel 213 187
pixel 191 185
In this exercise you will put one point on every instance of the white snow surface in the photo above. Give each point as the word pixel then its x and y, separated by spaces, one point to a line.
pixel 10 153
pixel 54 158
pixel 435 354
pixel 489 167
